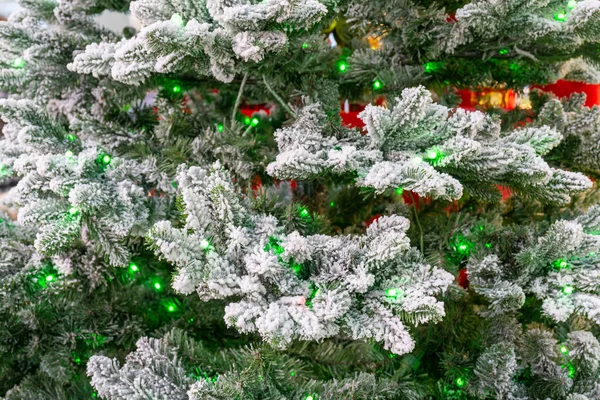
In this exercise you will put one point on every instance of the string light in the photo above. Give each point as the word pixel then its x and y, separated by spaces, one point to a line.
pixel 49 278
pixel 304 213
pixel 73 211
pixel 571 4
pixel 255 121
pixel 247 120
pixel 342 66
pixel 568 289
pixel 332 204
pixel 304 46
pixel 71 137
pixel 69 154
pixel 220 127
pixel 177 20
pixel 133 267
pixel 564 350
pixel 204 244
pixel 460 382
pixel 399 191
pixel 560 17
pixel 176 89
pixel 503 52
pixel 18 62
pixel 377 84
pixel 157 286
pixel 106 159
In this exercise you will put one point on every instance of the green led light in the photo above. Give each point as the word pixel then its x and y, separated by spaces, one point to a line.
pixel 247 120
pixel 393 293
pixel 503 51
pixel 342 66
pixel 309 397
pixel 377 85
pixel 204 244
pixel 432 66
pixel 304 46
pixel 106 159
pixel 176 89
pixel 69 153
pixel 71 137
pixel 332 204
pixel 157 286
pixel 304 213
pixel 18 62
pixel 292 373
pixel 171 308
pixel 480 227
pixel 399 190
pixel 462 247
pixel 571 4
pixel 564 350
pixel 220 127
pixel 133 267
pixel 488 245
pixel 460 382
pixel 560 17
pixel 73 211
pixel 49 278
pixel 432 154
pixel 255 121
pixel 177 20
pixel 568 289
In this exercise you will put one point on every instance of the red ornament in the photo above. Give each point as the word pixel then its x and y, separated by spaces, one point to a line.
pixel 566 88
pixel 463 279
pixel 487 98
pixel 249 110
pixel 372 219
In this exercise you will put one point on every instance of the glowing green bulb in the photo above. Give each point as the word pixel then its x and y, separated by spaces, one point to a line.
pixel 377 85
pixel 563 264
pixel 460 382
pixel 304 46
pixel 342 66
pixel 488 245
pixel 567 289
pixel 503 51
pixel 480 227
pixel 571 4
pixel 393 293
pixel 171 308
pixel 431 67
pixel 106 159
pixel 220 127
pixel 157 286
pixel 49 278
pixel 332 204
pixel 304 212
pixel 560 17
pixel 133 267
pixel 564 350
pixel 247 120
pixel 399 191
pixel 71 137
pixel 204 244
pixel 73 211
pixel 18 62
pixel 177 20
pixel 176 89
pixel 255 121
pixel 69 154
pixel 432 154
pixel 309 397
pixel 462 247
pixel 292 373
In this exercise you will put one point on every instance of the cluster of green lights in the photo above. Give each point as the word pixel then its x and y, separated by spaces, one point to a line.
pixel 503 52
pixel 568 289
pixel 304 213
pixel 304 46
pixel 254 121
pixel 463 246
pixel 564 350
pixel 377 84
pixel 18 62
pixel 177 19
pixel 342 66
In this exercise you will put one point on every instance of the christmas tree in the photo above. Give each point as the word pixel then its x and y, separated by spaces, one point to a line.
pixel 286 199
